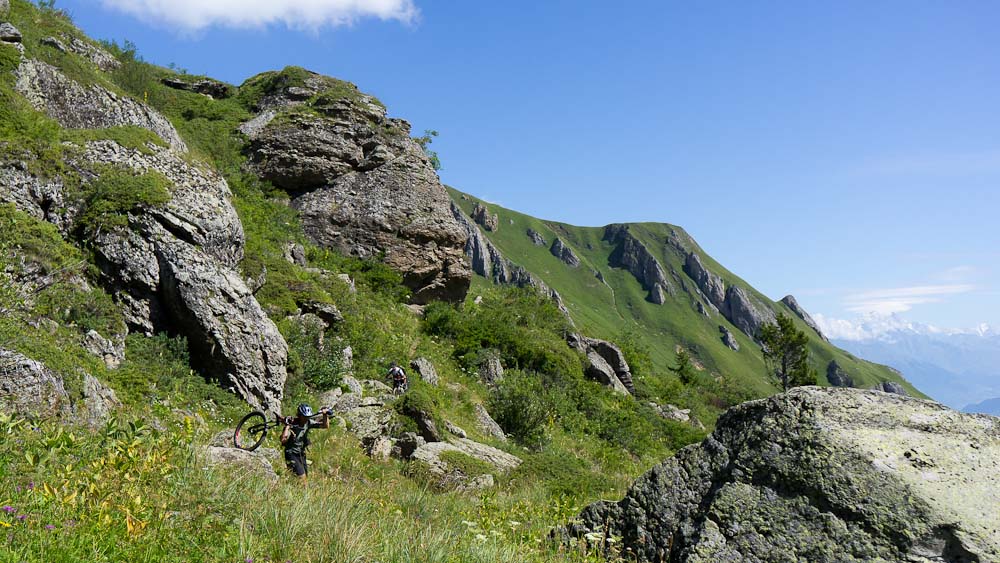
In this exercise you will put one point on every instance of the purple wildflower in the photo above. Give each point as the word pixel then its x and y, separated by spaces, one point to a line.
pixel 50 527
pixel 8 508
pixel 22 517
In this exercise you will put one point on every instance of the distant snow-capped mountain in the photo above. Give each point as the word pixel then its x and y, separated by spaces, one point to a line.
pixel 956 367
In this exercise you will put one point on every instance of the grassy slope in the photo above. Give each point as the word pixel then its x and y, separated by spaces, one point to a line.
pixel 608 310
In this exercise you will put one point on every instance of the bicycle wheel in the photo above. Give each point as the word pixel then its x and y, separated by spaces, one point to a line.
pixel 250 432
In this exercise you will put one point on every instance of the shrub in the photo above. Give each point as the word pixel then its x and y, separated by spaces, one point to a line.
pixel 117 192
pixel 520 406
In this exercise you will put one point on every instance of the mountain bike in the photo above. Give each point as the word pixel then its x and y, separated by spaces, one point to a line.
pixel 252 428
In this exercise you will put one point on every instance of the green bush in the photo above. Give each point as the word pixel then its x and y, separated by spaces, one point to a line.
pixel 520 405
pixel 117 192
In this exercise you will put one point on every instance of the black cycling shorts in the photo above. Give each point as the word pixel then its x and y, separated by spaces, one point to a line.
pixel 297 463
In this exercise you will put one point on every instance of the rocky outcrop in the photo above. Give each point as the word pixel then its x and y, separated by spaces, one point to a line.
pixel 98 402
pixel 448 476
pixel 487 261
pixel 487 425
pixel 801 313
pixel 837 376
pixel 174 267
pixel 632 255
pixel 606 363
pixel 28 387
pixel 820 475
pixel 70 44
pixel 710 284
pixel 425 369
pixel 490 369
pixel 734 302
pixel 256 462
pixel 745 312
pixel 211 88
pixel 536 238
pixel 91 107
pixel 891 387
pixel 9 33
pixel 481 215
pixel 563 252
pixel 361 185
pixel 728 339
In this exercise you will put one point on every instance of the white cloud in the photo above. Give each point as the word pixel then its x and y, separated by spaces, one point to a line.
pixel 901 299
pixel 194 15
pixel 875 326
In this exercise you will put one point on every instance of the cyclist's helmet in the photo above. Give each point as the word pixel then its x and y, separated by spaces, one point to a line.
pixel 305 410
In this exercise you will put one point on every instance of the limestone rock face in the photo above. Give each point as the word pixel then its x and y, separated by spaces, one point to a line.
pixel 536 238
pixel 425 369
pixel 632 255
pixel 891 387
pixel 78 107
pixel 487 425
pixel 564 253
pixel 710 284
pixel 28 387
pixel 792 304
pixel 607 363
pixel 360 184
pixel 9 33
pixel 745 312
pixel 481 215
pixel 819 475
pixel 728 339
pixel 837 376
pixel 174 267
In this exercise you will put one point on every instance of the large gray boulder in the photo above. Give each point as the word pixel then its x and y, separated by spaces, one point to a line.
pixel 728 339
pixel 9 33
pixel 481 215
pixel 98 402
pixel 361 185
pixel 793 304
pixel 891 387
pixel 536 238
pixel 425 369
pixel 256 463
pixel 487 425
pixel 819 475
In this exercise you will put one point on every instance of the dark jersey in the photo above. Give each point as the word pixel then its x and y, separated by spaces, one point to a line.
pixel 298 438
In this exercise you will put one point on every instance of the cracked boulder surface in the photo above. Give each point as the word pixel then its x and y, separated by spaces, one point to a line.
pixel 819 475
pixel 361 185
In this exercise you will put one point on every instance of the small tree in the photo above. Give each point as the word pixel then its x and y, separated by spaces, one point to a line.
pixel 684 370
pixel 786 353
pixel 425 143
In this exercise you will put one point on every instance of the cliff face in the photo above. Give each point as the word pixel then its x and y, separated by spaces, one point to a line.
pixel 819 475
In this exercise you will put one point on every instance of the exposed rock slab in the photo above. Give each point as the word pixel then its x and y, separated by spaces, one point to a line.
pixel 425 369
pixel 536 238
pixel 728 339
pixel 27 387
pixel 487 425
pixel 255 462
pixel 792 304
pixel 837 376
pixel 891 387
pixel 820 475
pixel 632 255
pixel 92 107
pixel 481 215
pixel 606 362
pixel 563 252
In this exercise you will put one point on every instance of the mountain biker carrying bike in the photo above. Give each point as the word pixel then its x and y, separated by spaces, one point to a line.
pixel 295 437
pixel 398 377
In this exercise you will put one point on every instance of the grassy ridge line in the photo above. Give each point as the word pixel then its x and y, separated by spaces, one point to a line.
pixel 661 327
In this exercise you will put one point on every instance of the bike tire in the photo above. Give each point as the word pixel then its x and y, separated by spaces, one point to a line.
pixel 251 431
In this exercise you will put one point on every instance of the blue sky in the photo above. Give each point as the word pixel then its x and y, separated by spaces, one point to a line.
pixel 845 152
